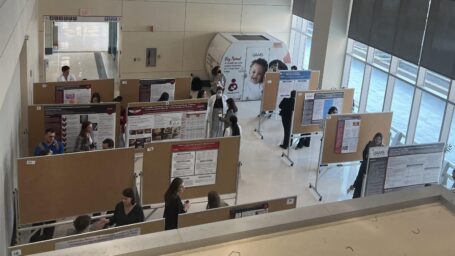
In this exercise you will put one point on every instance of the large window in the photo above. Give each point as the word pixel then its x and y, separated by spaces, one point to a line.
pixel 430 119
pixel 355 80
pixel 421 100
pixel 376 92
pixel 401 105
pixel 300 42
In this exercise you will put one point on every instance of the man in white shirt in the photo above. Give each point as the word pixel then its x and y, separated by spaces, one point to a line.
pixel 66 76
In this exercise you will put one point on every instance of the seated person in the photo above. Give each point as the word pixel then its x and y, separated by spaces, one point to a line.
pixel 214 201
pixel 108 143
pixel 66 76
pixel 50 146
pixel 82 225
pixel 127 211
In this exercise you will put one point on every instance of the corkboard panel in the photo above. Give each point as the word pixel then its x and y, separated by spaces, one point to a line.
pixel 44 93
pixel 224 213
pixel 348 99
pixel 271 83
pixel 59 186
pixel 370 124
pixel 157 169
pixel 36 125
pixel 129 90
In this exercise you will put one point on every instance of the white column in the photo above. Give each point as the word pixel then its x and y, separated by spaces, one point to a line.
pixel 330 37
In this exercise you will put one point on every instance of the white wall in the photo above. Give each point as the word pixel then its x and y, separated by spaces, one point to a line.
pixel 17 18
pixel 182 29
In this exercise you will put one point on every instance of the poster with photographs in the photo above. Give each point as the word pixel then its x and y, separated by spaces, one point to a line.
pixel 165 122
pixel 77 94
pixel 150 90
pixel 67 122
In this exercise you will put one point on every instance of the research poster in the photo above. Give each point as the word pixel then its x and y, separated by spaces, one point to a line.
pixel 166 122
pixel 347 135
pixel 376 170
pixel 77 94
pixel 195 163
pixel 316 106
pixel 292 80
pixel 150 90
pixel 413 165
pixel 67 122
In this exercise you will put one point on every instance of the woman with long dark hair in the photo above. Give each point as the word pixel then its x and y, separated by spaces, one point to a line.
pixel 128 211
pixel 234 129
pixel 85 141
pixel 173 205
pixel 357 186
pixel 231 111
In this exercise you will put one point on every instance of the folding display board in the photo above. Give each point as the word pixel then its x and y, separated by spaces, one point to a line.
pixel 129 89
pixel 66 120
pixel 50 245
pixel 223 213
pixel 347 100
pixel 60 186
pixel 49 92
pixel 271 87
pixel 403 166
pixel 158 164
pixel 165 120
pixel 370 124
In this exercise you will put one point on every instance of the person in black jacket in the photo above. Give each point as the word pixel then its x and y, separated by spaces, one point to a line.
pixel 127 211
pixel 286 110
pixel 357 186
pixel 173 204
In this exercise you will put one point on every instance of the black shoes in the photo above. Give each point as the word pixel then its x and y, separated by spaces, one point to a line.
pixel 283 146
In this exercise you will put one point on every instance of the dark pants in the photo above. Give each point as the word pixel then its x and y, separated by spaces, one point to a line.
pixel 287 130
pixel 304 141
pixel 44 233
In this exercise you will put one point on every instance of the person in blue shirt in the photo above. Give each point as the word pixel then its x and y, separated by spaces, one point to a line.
pixel 49 145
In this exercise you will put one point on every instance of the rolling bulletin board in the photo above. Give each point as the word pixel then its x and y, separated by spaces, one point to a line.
pixel 129 90
pixel 44 93
pixel 157 169
pixel 348 98
pixel 220 214
pixel 49 245
pixel 59 186
pixel 36 122
pixel 271 83
pixel 371 123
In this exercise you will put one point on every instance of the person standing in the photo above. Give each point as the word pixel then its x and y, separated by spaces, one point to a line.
pixel 231 111
pixel 173 205
pixel 66 76
pixel 234 129
pixel 357 186
pixel 216 107
pixel 84 141
pixel 50 146
pixel 286 111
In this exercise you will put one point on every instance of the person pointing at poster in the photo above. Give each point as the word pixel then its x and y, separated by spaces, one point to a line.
pixel 357 186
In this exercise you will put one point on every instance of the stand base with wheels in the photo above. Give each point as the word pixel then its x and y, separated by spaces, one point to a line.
pixel 262 116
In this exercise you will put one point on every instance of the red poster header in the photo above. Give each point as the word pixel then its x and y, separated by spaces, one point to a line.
pixel 195 146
